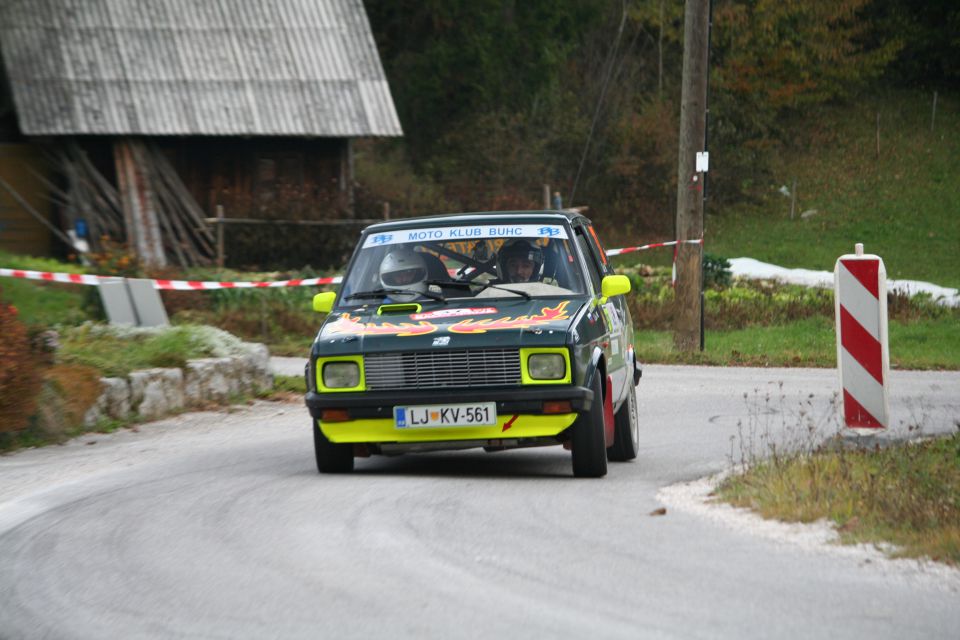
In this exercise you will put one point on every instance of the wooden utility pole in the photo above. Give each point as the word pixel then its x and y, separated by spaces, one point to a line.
pixel 693 126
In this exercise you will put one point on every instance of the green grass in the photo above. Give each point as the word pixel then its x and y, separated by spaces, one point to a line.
pixel 118 353
pixel 42 304
pixel 903 205
pixel 907 494
pixel 290 384
pixel 811 342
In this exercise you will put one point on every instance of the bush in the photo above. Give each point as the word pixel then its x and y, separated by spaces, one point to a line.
pixel 20 378
pixel 716 271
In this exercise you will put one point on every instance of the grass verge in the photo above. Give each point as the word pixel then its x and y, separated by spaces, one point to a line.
pixel 896 195
pixel 907 494
pixel 929 344
pixel 116 351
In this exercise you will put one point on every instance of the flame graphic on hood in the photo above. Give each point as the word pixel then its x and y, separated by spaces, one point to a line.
pixel 352 326
pixel 546 315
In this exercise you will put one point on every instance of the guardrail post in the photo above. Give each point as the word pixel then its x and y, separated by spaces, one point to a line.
pixel 863 357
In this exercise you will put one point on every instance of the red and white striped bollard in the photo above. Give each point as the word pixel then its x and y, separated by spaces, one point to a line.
pixel 863 357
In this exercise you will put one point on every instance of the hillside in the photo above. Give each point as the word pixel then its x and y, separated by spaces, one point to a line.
pixel 904 204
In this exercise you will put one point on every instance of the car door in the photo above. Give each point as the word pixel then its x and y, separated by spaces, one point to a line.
pixel 612 313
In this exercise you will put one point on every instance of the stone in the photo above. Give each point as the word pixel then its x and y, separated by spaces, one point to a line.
pixel 153 393
pixel 207 380
pixel 156 392
pixel 113 402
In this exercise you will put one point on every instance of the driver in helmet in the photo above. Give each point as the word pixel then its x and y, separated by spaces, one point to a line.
pixel 520 261
pixel 404 269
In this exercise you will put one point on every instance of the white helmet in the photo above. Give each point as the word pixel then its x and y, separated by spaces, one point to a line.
pixel 404 269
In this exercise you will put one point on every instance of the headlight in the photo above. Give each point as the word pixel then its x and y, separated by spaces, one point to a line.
pixel 547 366
pixel 341 375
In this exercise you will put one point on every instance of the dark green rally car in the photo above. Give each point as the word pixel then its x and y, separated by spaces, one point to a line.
pixel 494 330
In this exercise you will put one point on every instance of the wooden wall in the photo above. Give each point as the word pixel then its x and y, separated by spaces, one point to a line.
pixel 19 231
pixel 278 178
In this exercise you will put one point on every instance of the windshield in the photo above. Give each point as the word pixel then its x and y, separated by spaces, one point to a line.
pixel 466 261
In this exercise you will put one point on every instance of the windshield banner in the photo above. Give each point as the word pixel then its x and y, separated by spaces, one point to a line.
pixel 473 232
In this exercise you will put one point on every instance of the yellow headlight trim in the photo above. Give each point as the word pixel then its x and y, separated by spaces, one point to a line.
pixel 358 360
pixel 526 352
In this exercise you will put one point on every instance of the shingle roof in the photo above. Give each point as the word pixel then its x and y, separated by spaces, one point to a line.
pixel 195 67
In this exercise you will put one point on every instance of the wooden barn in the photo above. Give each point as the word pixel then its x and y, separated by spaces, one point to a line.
pixel 137 119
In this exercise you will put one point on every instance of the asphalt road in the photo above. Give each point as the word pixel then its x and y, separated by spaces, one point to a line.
pixel 216 525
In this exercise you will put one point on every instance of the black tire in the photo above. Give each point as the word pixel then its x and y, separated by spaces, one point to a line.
pixel 626 430
pixel 589 445
pixel 331 458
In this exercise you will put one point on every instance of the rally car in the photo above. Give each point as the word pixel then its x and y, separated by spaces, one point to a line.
pixel 495 330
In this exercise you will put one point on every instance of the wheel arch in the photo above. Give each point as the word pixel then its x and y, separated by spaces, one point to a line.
pixel 598 365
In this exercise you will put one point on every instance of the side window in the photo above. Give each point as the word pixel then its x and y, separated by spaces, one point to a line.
pixel 601 254
pixel 592 267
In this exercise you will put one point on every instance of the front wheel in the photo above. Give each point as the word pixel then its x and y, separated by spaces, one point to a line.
pixel 589 443
pixel 331 458
pixel 626 430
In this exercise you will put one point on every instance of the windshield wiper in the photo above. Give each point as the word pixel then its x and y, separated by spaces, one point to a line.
pixel 483 286
pixel 383 293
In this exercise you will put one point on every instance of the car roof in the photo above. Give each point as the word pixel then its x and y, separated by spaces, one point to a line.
pixel 558 215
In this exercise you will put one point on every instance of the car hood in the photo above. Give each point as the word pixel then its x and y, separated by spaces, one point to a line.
pixel 471 323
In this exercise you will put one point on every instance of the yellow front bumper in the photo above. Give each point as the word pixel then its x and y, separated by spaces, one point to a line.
pixel 508 426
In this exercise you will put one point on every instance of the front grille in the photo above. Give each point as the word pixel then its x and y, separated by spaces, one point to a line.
pixel 439 369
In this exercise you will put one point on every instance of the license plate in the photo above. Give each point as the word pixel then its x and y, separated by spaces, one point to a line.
pixel 446 415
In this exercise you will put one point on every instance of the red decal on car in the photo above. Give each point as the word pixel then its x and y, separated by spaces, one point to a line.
pixel 450 313
pixel 400 329
pixel 546 315
pixel 352 326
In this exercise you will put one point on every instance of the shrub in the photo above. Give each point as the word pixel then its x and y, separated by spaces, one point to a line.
pixel 716 271
pixel 20 378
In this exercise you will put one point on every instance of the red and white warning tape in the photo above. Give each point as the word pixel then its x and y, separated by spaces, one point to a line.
pixel 655 245
pixel 193 285
pixel 74 278
pixel 181 285
pixel 196 285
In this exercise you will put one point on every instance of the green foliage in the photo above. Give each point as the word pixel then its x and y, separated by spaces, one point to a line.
pixel 716 271
pixel 770 59
pixel 283 318
pixel 746 303
pixel 498 98
pixel 930 55
pixel 384 174
pixel 902 205
pixel 116 351
pixel 30 263
pixel 931 344
pixel 907 494
pixel 289 384
pixel 20 374
pixel 786 54
pixel 43 304
pixel 450 60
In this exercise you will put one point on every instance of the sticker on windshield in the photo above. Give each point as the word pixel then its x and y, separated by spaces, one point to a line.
pixel 474 232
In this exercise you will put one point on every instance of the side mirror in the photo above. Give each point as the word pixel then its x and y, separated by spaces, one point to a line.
pixel 323 302
pixel 614 286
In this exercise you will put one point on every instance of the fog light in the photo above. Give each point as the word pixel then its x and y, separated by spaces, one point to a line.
pixel 547 366
pixel 557 406
pixel 334 415
pixel 341 375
